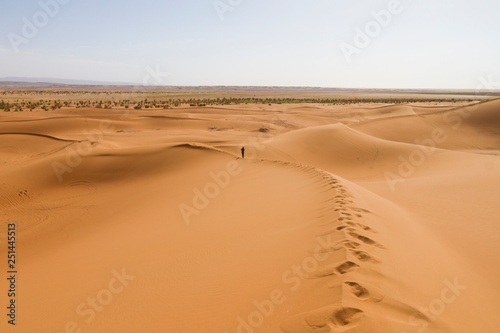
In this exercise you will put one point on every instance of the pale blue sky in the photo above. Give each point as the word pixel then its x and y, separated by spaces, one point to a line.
pixel 429 44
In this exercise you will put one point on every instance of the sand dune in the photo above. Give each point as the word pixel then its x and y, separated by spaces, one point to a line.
pixel 477 120
pixel 360 218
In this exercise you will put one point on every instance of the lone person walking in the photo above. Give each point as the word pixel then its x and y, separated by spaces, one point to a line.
pixel 242 152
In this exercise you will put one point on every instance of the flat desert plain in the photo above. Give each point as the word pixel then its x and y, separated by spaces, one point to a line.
pixel 340 218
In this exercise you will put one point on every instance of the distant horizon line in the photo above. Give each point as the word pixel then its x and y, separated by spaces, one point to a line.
pixel 33 81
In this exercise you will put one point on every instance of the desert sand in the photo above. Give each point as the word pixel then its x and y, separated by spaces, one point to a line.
pixel 356 218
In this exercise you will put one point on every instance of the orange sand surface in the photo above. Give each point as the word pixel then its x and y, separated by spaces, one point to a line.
pixel 357 218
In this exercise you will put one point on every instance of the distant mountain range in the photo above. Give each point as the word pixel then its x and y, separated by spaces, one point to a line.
pixel 70 84
pixel 30 82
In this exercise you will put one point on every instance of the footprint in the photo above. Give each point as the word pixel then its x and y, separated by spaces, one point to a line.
pixel 358 290
pixel 363 293
pixel 364 256
pixel 345 244
pixel 351 245
pixel 334 318
pixel 366 240
pixel 367 228
pixel 346 316
pixel 337 269
pixel 343 200
pixel 338 246
pixel 346 267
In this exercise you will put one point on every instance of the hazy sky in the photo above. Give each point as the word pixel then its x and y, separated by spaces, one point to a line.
pixel 329 43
